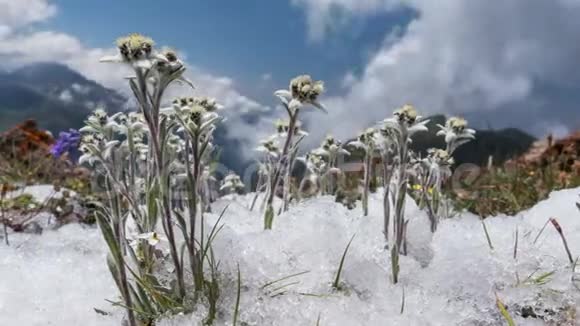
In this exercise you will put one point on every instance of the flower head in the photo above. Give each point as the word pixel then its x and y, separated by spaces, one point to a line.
pixel 196 114
pixel 282 128
pixel 302 90
pixel 270 147
pixel 315 163
pixel 208 103
pixel 330 147
pixel 170 67
pixel 457 124
pixel 135 47
pixel 305 89
pixel 99 116
pixel 456 132
pixel 407 114
pixel 66 142
pixel 404 123
pixel 232 182
pixel 440 156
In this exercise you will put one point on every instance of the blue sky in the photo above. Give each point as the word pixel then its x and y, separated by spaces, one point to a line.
pixel 241 39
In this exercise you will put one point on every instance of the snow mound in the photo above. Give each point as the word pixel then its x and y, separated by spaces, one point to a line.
pixel 449 278
pixel 56 279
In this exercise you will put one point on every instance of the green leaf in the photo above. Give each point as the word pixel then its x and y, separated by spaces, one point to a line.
pixel 152 207
pixel 504 312
pixel 109 237
pixel 395 263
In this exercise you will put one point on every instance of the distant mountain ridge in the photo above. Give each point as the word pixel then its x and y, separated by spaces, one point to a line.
pixel 502 144
pixel 56 96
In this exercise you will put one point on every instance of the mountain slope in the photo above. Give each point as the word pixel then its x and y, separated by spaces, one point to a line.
pixel 53 94
pixel 502 144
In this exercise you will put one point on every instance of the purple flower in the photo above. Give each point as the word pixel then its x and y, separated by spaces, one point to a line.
pixel 66 142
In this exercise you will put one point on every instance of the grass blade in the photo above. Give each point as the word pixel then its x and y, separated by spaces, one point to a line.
pixel 403 301
pixel 237 307
pixel 516 243
pixel 541 231
pixel 487 234
pixel 504 312
pixel 283 279
pixel 341 265
pixel 561 232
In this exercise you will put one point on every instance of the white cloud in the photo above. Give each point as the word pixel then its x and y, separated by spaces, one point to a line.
pixel 51 46
pixel 66 96
pixel 266 77
pixel 458 56
pixel 18 13
pixel 324 15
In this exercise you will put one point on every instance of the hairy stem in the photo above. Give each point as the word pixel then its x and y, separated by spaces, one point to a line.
pixel 282 162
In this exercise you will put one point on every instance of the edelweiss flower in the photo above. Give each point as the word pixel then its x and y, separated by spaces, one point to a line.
pixel 208 103
pixel 436 166
pixel 302 90
pixel 100 122
pixel 406 114
pixel 270 147
pixel 405 120
pixel 136 50
pixel 232 182
pixel 86 154
pixel 197 115
pixel 455 129
pixel 134 122
pixel 330 147
pixel 170 67
pixel 366 139
pixel 440 156
pixel 314 163
pixel 94 146
pixel 282 128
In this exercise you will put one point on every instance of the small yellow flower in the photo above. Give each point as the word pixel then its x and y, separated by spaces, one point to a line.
pixel 416 187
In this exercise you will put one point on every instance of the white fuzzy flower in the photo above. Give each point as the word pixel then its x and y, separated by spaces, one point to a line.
pixel 270 147
pixel 455 129
pixel 196 115
pixel 405 120
pixel 135 50
pixel 232 182
pixel 282 127
pixel 302 90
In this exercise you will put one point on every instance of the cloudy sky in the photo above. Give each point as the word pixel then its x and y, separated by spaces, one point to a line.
pixel 498 63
